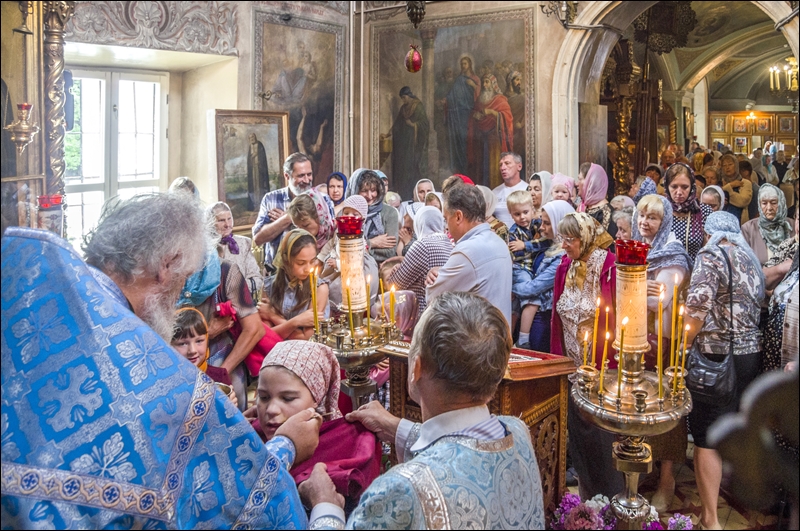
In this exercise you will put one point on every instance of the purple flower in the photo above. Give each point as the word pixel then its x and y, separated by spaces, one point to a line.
pixel 568 502
pixel 679 521
pixel 653 525
pixel 609 520
pixel 582 517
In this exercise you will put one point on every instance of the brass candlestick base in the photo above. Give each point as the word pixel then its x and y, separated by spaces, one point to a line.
pixel 22 130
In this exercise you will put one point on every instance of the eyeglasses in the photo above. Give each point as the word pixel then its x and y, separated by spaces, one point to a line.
pixel 567 239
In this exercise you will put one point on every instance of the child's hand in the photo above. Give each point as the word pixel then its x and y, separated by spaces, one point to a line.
pixel 516 245
pixel 330 262
pixel 305 319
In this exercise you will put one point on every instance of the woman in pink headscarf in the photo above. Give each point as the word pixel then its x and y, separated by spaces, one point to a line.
pixel 593 190
pixel 298 375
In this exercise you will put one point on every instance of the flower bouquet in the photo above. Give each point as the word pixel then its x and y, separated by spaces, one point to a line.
pixel 596 513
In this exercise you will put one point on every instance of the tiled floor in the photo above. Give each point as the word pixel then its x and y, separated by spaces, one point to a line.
pixel 687 501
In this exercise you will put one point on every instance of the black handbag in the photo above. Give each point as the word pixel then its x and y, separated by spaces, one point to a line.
pixel 712 382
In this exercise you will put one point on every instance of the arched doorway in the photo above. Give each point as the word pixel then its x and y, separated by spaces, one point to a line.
pixel 583 54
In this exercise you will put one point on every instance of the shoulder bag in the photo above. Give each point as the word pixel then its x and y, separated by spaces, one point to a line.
pixel 711 382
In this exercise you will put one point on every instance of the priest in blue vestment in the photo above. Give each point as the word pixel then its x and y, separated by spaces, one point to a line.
pixel 461 468
pixel 104 426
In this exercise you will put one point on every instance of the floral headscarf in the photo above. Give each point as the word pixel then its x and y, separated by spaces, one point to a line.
pixel 323 206
pixel 647 187
pixel 663 252
pixel 590 229
pixel 778 229
pixel 595 187
pixel 316 365
pixel 725 226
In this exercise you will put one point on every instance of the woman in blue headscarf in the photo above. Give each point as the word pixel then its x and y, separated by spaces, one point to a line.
pixel 712 325
pixel 337 185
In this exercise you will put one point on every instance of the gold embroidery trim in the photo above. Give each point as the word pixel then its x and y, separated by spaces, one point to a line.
pixel 428 493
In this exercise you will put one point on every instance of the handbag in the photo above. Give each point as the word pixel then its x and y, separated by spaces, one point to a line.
pixel 712 382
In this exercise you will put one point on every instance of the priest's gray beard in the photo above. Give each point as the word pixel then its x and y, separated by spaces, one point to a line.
pixel 487 95
pixel 159 312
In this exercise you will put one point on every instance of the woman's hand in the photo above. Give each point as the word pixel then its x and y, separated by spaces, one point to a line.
pixel 304 320
pixel 654 289
pixel 383 241
pixel 405 235
pixel 218 325
pixel 330 262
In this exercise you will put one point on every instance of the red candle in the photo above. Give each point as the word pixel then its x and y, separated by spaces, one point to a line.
pixel 349 226
pixel 632 252
pixel 24 106
pixel 47 201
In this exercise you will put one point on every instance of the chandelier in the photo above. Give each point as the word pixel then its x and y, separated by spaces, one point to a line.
pixel 783 82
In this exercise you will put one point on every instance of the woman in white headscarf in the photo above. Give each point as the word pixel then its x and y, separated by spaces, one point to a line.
pixel 540 287
pixel 541 185
pixel 497 226
pixel 432 249
pixel 421 190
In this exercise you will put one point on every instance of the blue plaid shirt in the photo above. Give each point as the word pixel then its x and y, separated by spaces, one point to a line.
pixel 276 199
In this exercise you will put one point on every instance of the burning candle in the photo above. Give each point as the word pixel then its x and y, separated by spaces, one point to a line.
pixel 368 303
pixel 594 330
pixel 772 78
pixel 674 356
pixel 350 312
pixel 683 359
pixel 383 300
pixel 607 310
pixel 391 305
pixel 603 362
pixel 659 319
pixel 314 299
pixel 621 351
pixel 585 346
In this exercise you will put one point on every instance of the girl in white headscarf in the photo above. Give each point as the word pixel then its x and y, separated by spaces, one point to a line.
pixel 432 249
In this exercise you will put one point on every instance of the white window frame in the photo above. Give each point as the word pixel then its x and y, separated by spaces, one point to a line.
pixel 111 184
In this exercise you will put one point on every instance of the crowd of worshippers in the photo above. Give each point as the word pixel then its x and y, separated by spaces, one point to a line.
pixel 476 270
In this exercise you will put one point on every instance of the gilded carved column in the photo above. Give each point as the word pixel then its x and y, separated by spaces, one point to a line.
pixel 55 16
pixel 621 169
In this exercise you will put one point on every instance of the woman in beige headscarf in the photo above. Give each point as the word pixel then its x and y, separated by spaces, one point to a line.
pixel 495 224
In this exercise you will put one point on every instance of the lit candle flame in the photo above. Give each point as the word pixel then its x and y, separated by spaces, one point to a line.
pixel 608 335
pixel 661 296
pixel 598 302
pixel 586 336
pixel 680 310
pixel 625 322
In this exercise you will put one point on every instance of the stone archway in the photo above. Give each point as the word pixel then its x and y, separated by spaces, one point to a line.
pixel 583 54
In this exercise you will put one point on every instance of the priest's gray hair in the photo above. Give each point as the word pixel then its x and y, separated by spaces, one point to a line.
pixel 464 342
pixel 138 236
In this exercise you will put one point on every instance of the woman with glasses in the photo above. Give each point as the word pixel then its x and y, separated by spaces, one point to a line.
pixel 586 274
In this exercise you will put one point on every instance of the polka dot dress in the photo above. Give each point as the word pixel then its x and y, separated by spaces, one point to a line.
pixel 693 241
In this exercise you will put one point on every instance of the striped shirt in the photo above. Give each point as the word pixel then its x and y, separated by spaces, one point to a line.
pixel 429 252
pixel 276 199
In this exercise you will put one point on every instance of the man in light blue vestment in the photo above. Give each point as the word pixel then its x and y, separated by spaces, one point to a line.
pixel 104 425
pixel 462 468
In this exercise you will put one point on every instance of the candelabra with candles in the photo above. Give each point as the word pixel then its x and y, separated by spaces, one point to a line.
pixel 631 402
pixel 355 336
pixel 786 88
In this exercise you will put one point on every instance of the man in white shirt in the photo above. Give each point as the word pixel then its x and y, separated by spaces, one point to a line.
pixel 480 262
pixel 510 166
pixel 462 467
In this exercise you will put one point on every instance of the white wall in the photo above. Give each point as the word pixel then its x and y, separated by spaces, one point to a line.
pixel 206 88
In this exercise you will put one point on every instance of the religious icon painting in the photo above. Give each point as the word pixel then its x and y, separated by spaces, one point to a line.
pixel 764 125
pixel 473 101
pixel 250 149
pixel 786 124
pixel 739 125
pixel 719 124
pixel 299 69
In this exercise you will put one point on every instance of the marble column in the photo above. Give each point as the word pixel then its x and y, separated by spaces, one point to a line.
pixel 428 86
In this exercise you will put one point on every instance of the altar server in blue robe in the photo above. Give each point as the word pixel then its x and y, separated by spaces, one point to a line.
pixel 104 426
pixel 462 467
